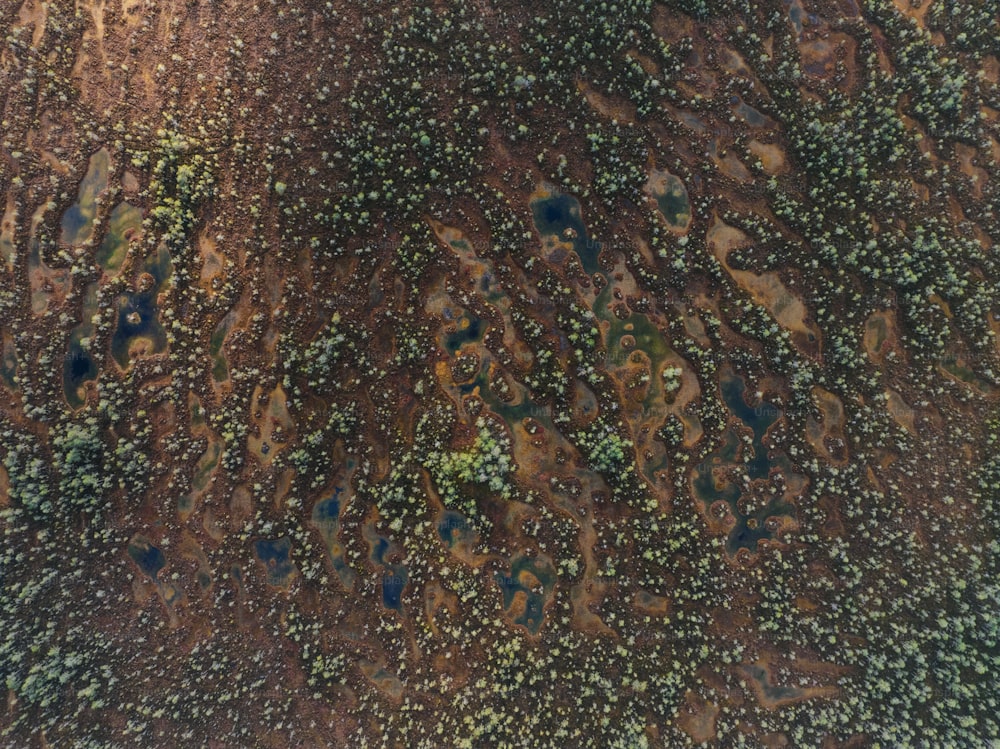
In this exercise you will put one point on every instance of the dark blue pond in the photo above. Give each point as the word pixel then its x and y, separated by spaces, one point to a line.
pixel 463 335
pixel 326 517
pixel 8 364
pixel 747 530
pixel 275 554
pixel 327 511
pixel 379 550
pixel 147 557
pixel 80 365
pixel 138 315
pixel 393 583
pixel 78 369
pixel 512 413
pixel 534 602
pixel 759 419
pixel 752 116
pixel 394 576
pixel 557 213
pixel 453 527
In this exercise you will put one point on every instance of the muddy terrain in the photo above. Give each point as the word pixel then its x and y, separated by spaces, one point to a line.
pixel 498 375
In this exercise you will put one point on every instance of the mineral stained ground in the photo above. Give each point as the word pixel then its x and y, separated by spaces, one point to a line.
pixel 494 374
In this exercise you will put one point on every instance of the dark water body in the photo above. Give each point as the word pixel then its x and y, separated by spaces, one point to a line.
pixel 147 557
pixel 393 582
pixel 327 510
pixel 468 334
pixel 453 528
pixel 139 315
pixel 80 366
pixel 759 419
pixel 75 225
pixel 379 549
pixel 795 14
pixel 776 693
pixel 326 518
pixel 673 206
pixel 674 203
pixel 511 586
pixel 129 328
pixel 275 554
pixel 753 528
pixel 816 69
pixel 78 369
pixel 522 406
pixel 559 212
pixel 752 116
pixel 394 576
pixel 8 365
pixel 748 530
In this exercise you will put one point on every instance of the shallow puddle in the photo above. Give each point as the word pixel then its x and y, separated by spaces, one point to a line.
pixel 671 198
